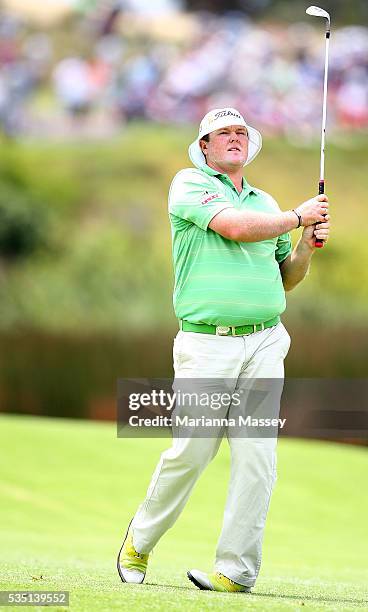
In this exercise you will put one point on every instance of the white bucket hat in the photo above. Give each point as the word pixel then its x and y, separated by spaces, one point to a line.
pixel 219 118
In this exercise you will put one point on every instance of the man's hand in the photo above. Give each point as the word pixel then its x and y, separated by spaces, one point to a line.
pixel 320 231
pixel 312 211
pixel 295 267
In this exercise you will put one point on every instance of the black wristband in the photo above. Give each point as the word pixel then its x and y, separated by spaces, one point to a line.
pixel 299 218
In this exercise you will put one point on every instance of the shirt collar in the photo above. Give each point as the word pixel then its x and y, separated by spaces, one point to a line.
pixel 246 187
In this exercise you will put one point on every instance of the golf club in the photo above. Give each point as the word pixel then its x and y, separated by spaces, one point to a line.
pixel 318 12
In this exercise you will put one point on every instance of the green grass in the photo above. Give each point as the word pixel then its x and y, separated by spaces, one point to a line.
pixel 69 488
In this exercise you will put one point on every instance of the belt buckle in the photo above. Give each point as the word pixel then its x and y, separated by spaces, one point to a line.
pixel 222 330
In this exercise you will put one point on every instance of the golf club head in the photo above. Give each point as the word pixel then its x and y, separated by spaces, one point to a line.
pixel 316 11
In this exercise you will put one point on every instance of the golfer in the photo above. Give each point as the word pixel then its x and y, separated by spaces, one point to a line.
pixel 233 262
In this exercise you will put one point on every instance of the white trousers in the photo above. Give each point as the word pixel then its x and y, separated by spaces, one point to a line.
pixel 241 359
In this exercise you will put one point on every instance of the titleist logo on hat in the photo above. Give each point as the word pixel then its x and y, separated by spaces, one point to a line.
pixel 225 113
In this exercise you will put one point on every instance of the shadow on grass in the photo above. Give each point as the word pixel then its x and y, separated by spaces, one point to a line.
pixel 171 586
pixel 311 598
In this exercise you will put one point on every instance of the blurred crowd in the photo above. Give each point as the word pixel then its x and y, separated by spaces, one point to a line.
pixel 272 73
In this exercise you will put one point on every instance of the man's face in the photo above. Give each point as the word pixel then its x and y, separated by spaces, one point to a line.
pixel 227 147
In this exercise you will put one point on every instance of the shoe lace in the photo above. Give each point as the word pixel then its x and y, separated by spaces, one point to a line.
pixel 139 555
pixel 223 576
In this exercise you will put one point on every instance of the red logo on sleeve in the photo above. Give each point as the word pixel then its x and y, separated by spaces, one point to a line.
pixel 208 198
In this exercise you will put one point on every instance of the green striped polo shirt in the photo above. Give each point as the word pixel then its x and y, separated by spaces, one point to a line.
pixel 220 281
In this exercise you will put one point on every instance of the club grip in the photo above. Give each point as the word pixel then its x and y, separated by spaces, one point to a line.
pixel 321 189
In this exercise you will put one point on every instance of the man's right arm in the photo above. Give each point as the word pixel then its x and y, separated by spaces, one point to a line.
pixel 251 226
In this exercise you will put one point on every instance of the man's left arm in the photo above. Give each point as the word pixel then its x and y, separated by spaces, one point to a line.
pixel 294 268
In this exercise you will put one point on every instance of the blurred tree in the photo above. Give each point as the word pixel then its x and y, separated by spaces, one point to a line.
pixel 23 226
pixel 250 7
pixel 354 11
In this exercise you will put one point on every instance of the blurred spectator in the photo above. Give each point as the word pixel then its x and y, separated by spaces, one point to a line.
pixel 17 79
pixel 352 100
pixel 73 85
pixel 38 50
pixel 134 83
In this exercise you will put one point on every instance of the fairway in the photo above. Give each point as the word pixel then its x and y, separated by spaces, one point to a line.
pixel 69 488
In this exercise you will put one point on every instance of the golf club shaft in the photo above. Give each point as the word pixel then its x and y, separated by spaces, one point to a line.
pixel 321 184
